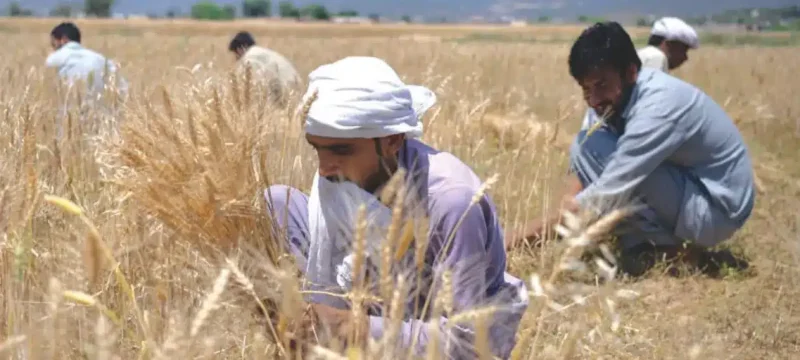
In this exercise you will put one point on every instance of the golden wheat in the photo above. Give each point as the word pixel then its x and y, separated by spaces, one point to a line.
pixel 168 184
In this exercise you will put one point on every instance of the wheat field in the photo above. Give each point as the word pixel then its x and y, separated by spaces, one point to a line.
pixel 139 232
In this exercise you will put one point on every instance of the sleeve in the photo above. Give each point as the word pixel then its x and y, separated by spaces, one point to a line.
pixel 651 135
pixel 464 226
pixel 54 60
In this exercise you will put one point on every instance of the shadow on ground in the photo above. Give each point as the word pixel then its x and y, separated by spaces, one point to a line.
pixel 684 261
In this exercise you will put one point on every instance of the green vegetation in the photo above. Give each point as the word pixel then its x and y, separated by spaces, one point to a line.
pixel 209 10
pixel 98 8
pixel 16 10
pixel 287 10
pixel 256 8
pixel 583 19
pixel 348 13
pixel 316 12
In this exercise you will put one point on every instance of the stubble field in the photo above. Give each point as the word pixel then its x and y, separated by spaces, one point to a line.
pixel 181 164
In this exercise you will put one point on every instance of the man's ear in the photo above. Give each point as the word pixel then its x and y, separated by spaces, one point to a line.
pixel 393 143
pixel 631 74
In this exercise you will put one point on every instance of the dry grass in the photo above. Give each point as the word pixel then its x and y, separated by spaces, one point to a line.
pixel 129 273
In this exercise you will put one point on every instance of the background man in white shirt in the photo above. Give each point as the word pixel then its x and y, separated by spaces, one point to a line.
pixel 278 72
pixel 75 62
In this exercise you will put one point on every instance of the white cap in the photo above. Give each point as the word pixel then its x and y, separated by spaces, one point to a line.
pixel 363 97
pixel 674 29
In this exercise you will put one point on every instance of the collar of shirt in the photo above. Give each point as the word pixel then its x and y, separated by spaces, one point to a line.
pixel 656 48
pixel 644 76
pixel 71 46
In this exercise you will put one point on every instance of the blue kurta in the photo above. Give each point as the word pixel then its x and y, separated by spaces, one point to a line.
pixel 677 154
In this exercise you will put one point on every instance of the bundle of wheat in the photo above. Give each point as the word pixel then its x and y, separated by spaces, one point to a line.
pixel 201 172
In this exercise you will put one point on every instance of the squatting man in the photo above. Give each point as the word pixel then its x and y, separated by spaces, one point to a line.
pixel 364 125
pixel 664 147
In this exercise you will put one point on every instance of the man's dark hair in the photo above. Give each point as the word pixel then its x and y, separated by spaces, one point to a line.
pixel 655 40
pixel 242 40
pixel 68 30
pixel 602 44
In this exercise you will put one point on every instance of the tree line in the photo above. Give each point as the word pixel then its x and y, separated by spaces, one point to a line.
pixel 210 10
pixel 96 8
pixel 203 10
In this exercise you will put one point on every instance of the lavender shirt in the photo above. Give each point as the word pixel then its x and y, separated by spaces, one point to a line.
pixel 476 258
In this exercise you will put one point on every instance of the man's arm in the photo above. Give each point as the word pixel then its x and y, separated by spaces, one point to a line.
pixel 542 228
pixel 459 235
pixel 55 59
pixel 651 135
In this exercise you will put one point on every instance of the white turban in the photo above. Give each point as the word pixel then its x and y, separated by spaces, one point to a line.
pixel 362 97
pixel 674 29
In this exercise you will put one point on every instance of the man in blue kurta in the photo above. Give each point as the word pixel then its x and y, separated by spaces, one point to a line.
pixel 664 146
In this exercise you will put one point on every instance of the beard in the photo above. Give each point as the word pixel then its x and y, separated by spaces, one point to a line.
pixel 373 182
pixel 615 118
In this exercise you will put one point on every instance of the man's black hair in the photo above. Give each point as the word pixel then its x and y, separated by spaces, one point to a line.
pixel 68 30
pixel 602 44
pixel 242 40
pixel 655 40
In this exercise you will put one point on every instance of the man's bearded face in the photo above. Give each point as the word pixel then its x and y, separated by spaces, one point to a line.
pixel 607 91
pixel 369 163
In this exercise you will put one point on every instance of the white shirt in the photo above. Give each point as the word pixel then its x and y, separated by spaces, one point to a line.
pixel 75 62
pixel 653 57
pixel 272 65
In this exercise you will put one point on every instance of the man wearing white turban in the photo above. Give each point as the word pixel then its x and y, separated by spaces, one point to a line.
pixel 363 122
pixel 669 44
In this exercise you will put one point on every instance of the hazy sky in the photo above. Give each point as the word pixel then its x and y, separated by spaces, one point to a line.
pixel 459 8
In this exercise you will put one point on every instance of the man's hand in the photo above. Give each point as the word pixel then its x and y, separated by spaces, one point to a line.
pixel 539 229
pixel 342 322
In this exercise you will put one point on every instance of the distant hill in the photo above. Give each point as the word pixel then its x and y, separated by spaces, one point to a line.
pixel 778 18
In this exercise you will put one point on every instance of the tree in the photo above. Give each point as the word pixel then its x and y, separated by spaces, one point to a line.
pixel 208 10
pixel 15 9
pixel 406 19
pixel 98 8
pixel 316 12
pixel 287 10
pixel 544 19
pixel 642 22
pixel 700 21
pixel 256 8
pixel 590 19
pixel 375 17
pixel 172 13
pixel 348 13
pixel 61 10
pixel 229 12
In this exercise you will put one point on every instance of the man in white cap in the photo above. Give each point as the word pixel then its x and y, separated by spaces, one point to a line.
pixel 364 124
pixel 669 44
